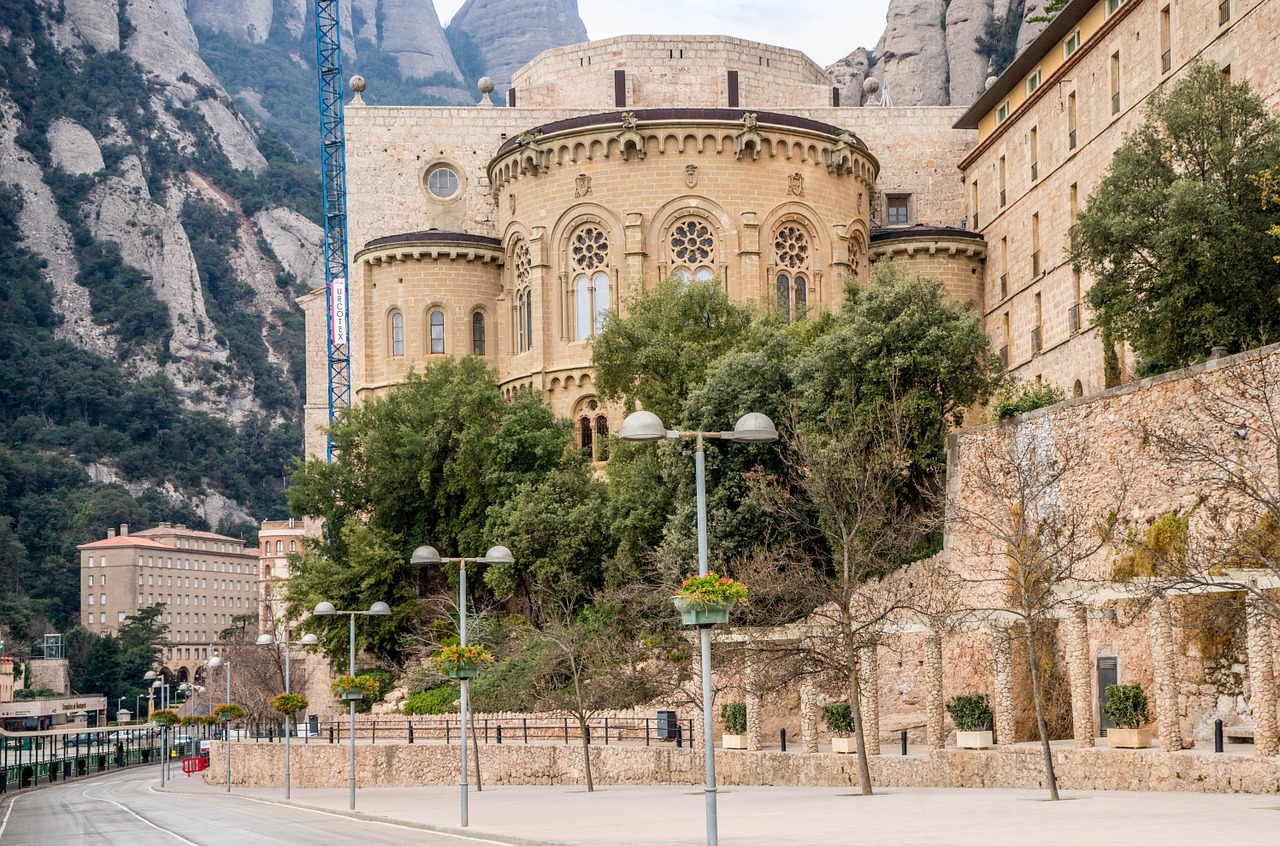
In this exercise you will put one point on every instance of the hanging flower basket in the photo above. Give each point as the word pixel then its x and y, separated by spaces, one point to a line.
pixel 165 717
pixel 461 662
pixel 289 703
pixel 355 688
pixel 706 600
pixel 228 712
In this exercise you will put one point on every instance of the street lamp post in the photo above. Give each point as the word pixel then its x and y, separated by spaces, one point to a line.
pixel 269 640
pixel 158 683
pixel 219 661
pixel 428 555
pixel 750 428
pixel 377 609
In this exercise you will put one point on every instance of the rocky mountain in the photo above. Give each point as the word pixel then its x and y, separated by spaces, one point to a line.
pixel 505 34
pixel 938 52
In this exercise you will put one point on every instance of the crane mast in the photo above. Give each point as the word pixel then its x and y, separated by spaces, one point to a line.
pixel 334 173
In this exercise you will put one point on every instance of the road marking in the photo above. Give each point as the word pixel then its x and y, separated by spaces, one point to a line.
pixel 5 824
pixel 138 816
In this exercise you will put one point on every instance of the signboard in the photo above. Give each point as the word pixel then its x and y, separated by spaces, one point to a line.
pixel 49 707
pixel 205 746
pixel 338 311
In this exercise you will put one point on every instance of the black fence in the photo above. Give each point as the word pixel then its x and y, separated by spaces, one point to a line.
pixel 28 760
pixel 637 731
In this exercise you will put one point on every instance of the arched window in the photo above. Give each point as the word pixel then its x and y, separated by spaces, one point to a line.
pixel 522 321
pixel 293 546
pixel 592 428
pixel 589 255
pixel 693 250
pixel 477 333
pixel 791 285
pixel 1077 390
pixel 397 333
pixel 436 321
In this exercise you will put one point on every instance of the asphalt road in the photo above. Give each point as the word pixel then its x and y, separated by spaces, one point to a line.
pixel 122 809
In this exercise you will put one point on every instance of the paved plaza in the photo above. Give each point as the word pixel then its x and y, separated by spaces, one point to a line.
pixel 567 815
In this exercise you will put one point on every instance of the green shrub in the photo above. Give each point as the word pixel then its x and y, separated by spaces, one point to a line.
pixel 1126 705
pixel 733 715
pixel 971 712
pixel 441 699
pixel 839 718
pixel 1015 397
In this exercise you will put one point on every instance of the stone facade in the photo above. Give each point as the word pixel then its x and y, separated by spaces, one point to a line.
pixel 1030 174
pixel 700 165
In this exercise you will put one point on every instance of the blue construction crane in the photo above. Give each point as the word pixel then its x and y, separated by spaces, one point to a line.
pixel 333 167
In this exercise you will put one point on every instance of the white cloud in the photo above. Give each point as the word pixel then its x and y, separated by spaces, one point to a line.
pixel 826 30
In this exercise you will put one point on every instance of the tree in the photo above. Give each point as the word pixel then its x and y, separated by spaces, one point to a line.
pixel 432 461
pixel 662 346
pixel 1176 234
pixel 1016 520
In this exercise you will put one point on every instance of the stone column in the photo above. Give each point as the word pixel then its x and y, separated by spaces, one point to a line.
pixel 808 717
pixel 1002 695
pixel 753 706
pixel 1262 678
pixel 869 696
pixel 1080 674
pixel 933 679
pixel 1164 662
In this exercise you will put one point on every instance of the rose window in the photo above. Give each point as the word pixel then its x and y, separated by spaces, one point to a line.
pixel 692 243
pixel 791 246
pixel 590 248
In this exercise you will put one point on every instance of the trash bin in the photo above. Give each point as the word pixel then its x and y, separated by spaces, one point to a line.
pixel 313 725
pixel 667 726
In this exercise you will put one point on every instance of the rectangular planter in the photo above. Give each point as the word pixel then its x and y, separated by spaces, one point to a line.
pixel 975 739
pixel 692 614
pixel 733 741
pixel 466 671
pixel 351 695
pixel 1118 738
pixel 844 745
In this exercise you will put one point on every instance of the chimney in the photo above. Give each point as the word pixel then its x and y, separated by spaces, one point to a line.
pixel 124 529
pixel 111 533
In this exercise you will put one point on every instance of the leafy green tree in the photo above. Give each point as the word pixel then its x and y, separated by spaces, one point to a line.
pixel 1176 234
pixel 432 461
pixel 664 344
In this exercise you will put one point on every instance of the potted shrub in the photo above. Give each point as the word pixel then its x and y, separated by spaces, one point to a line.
pixel 227 712
pixel 354 688
pixel 839 719
pixel 289 703
pixel 461 662
pixel 733 716
pixel 972 716
pixel 704 600
pixel 165 717
pixel 1126 706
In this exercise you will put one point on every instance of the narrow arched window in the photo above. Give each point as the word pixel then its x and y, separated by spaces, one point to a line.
pixel 397 333
pixel 600 299
pixel 582 295
pixel 782 291
pixel 589 256
pixel 792 256
pixel 523 261
pixel 437 332
pixel 477 333
pixel 521 307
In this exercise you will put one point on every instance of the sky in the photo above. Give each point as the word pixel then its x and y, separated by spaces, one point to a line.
pixel 825 30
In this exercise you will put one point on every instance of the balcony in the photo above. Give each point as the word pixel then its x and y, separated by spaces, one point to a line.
pixel 1004 357
pixel 1001 198
pixel 1035 264
pixel 1035 171
pixel 1166 61
pixel 1036 344
pixel 1004 285
pixel 1071 140
pixel 1115 103
pixel 1073 319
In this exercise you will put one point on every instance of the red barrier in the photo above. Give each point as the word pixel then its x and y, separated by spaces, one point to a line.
pixel 194 765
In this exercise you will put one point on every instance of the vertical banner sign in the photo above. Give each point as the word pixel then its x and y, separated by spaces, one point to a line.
pixel 338 311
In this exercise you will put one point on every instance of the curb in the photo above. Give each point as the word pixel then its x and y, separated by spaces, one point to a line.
pixel 454 831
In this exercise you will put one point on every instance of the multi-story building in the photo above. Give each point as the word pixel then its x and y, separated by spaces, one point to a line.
pixel 203 579
pixel 507 233
pixel 278 538
pixel 1048 128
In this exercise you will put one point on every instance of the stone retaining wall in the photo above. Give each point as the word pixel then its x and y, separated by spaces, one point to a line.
pixel 320 766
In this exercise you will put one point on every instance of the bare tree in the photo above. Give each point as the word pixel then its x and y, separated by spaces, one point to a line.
pixel 850 493
pixel 1012 513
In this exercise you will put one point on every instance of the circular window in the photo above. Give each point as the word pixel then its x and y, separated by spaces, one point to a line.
pixel 443 182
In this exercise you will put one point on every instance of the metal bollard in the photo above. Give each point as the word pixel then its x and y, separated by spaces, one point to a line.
pixel 782 735
pixel 499 734
pixel 331 734
pixel 587 735
pixel 411 732
pixel 679 736
pixel 1217 735
pixel 904 742
pixel 524 725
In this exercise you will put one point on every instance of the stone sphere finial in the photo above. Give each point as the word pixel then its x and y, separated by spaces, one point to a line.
pixel 486 86
pixel 357 88
pixel 871 87
pixel 991 80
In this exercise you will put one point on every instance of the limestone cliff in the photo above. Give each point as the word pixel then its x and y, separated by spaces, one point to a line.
pixel 506 34
pixel 938 52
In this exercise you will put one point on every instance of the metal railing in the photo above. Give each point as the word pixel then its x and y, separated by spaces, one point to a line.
pixel 1073 318
pixel 446 729
pixel 31 759
pixel 1166 61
